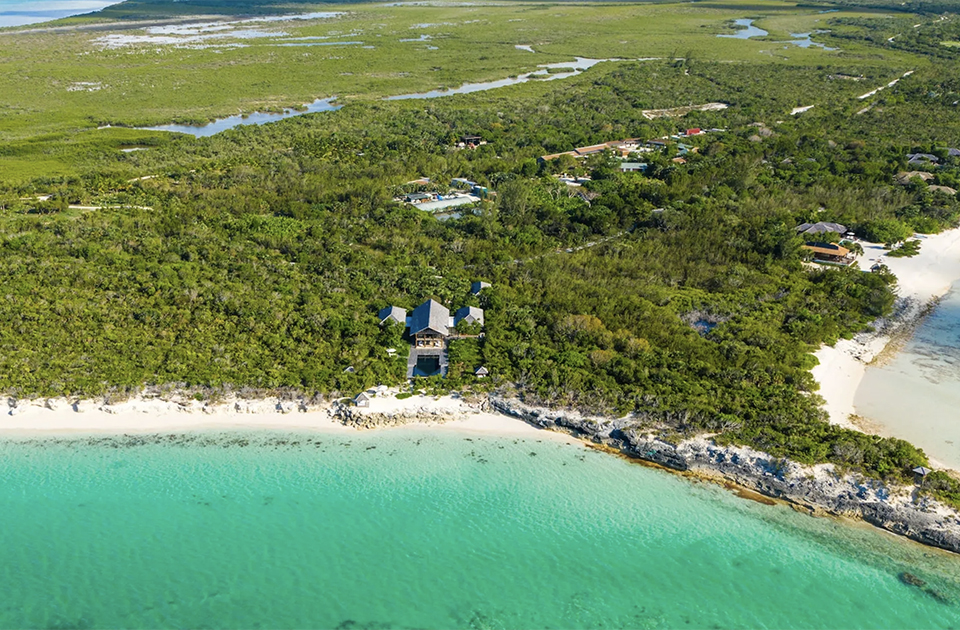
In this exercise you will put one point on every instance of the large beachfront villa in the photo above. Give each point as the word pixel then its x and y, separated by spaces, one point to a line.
pixel 825 252
pixel 430 327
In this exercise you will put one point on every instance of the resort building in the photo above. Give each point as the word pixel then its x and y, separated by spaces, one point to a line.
pixel 393 313
pixel 475 189
pixel 622 148
pixel 418 198
pixel 469 314
pixel 903 178
pixel 429 324
pixel 478 286
pixel 429 328
pixel 470 142
pixel 922 158
pixel 815 229
pixel 461 192
pixel 830 254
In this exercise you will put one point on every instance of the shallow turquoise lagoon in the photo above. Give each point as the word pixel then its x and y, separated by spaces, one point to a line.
pixel 916 396
pixel 411 529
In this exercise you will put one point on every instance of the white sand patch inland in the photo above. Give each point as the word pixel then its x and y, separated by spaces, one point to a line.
pixel 85 86
pixel 673 112
pixel 920 280
pixel 883 87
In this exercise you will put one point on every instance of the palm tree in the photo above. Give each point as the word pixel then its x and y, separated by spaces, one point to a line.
pixel 855 248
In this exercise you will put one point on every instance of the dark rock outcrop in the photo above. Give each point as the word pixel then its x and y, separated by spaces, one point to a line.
pixel 819 489
pixel 359 418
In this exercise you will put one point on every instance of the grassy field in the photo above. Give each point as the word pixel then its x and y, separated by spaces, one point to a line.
pixel 61 83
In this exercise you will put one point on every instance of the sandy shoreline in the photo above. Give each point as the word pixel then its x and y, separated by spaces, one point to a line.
pixel 140 415
pixel 920 280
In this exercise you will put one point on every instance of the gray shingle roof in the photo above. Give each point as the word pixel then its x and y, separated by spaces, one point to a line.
pixel 478 286
pixel 430 315
pixel 821 228
pixel 471 314
pixel 917 158
pixel 395 313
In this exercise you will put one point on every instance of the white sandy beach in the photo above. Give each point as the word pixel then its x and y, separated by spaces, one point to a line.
pixel 58 417
pixel 920 280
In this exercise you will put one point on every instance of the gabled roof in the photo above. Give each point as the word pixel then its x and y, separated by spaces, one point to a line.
pixel 395 313
pixel 430 315
pixel 594 148
pixel 553 156
pixel 904 177
pixel 830 249
pixel 468 312
pixel 478 286
pixel 481 371
pixel 913 158
pixel 821 228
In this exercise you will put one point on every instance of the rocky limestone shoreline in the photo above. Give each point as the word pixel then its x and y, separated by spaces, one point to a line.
pixel 819 489
pixel 362 418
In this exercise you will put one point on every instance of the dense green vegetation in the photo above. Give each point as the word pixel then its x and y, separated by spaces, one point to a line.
pixel 60 83
pixel 258 258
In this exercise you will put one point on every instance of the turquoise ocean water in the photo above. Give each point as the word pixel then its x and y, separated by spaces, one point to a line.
pixel 411 529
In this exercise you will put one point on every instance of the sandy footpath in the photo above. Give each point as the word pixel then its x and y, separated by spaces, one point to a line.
pixel 152 415
pixel 920 280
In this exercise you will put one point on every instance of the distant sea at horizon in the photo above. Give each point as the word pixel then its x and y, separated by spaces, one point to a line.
pixel 421 529
pixel 23 12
